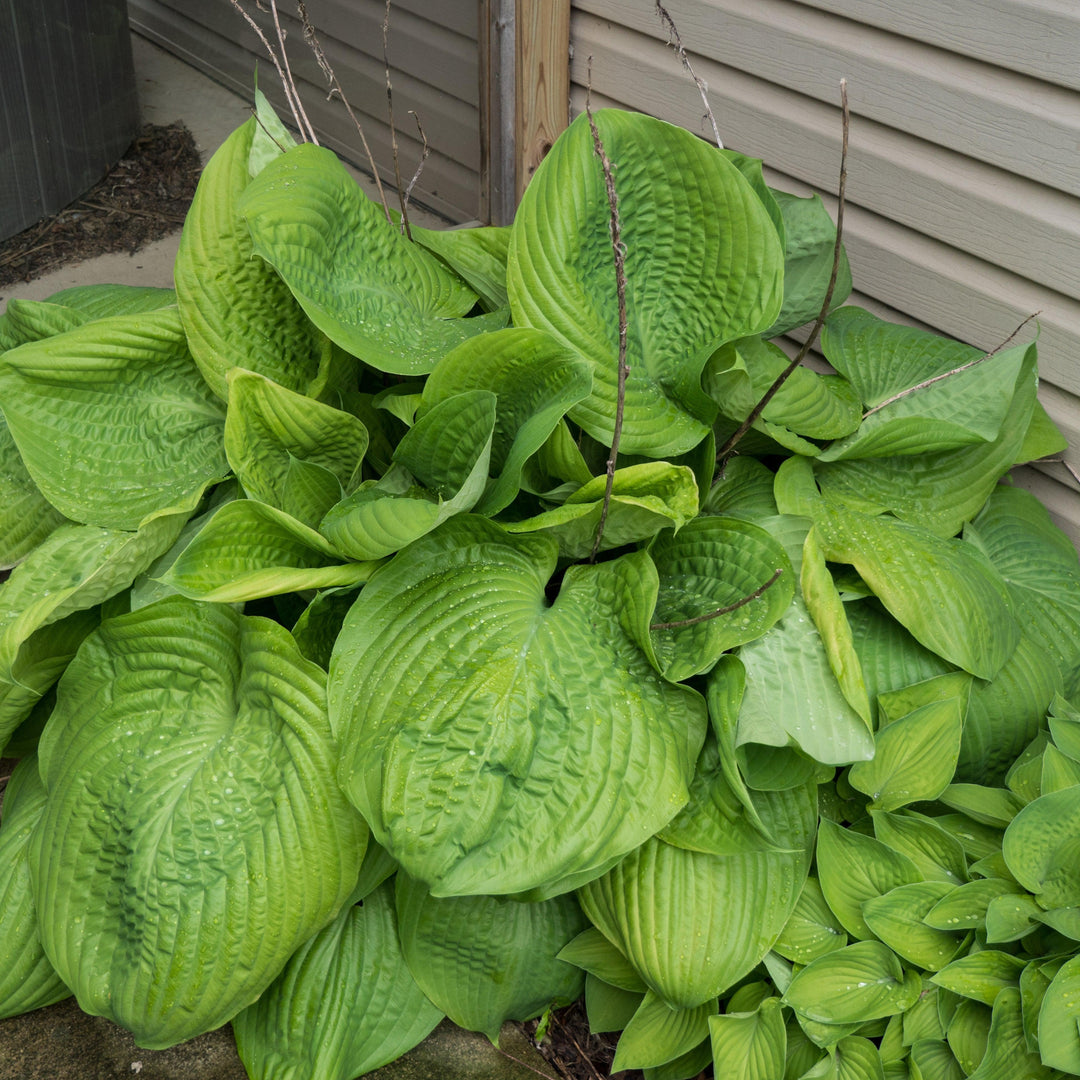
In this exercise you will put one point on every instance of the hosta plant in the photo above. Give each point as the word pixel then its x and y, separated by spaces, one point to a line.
pixel 383 639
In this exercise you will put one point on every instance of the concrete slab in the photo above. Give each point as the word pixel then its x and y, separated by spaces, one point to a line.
pixel 169 90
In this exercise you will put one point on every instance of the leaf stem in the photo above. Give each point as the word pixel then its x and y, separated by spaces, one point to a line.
pixel 725 451
pixel 680 623
pixel 618 250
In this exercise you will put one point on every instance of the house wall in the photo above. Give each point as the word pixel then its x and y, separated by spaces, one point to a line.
pixel 434 66
pixel 963 196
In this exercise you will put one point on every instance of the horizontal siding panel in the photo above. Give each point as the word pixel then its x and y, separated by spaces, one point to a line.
pixel 449 184
pixel 1032 37
pixel 1061 498
pixel 938 96
pixel 1020 225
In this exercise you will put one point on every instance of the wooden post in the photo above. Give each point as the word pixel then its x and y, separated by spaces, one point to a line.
pixel 498 191
pixel 542 78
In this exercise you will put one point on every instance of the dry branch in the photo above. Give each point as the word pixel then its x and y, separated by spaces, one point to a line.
pixel 725 451
pixel 335 88
pixel 393 129
pixel 618 251
pixel 675 41
pixel 955 371
pixel 423 156
pixel 680 623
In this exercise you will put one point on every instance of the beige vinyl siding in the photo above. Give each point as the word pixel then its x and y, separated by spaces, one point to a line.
pixel 963 208
pixel 435 72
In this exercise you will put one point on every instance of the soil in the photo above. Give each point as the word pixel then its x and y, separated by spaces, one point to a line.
pixel 143 198
pixel 573 1051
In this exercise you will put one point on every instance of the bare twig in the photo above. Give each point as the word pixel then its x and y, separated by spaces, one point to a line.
pixel 277 64
pixel 584 1057
pixel 955 371
pixel 725 451
pixel 618 251
pixel 266 130
pixel 335 88
pixel 291 87
pixel 423 156
pixel 680 623
pixel 393 131
pixel 676 43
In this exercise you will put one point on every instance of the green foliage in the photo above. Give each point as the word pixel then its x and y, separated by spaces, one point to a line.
pixel 346 702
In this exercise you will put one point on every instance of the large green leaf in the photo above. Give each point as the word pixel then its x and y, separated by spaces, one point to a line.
pixel 248 549
pixel 113 419
pixel 289 450
pixel 658 1034
pixel 914 756
pixel 441 467
pixel 813 930
pixel 712 563
pixel 703 265
pixel 1040 568
pixel 853 868
pixel 27 979
pixel 809 253
pixel 936 853
pixel 236 311
pixel 344 1005
pixel 646 498
pixel 946 593
pixel 942 490
pixel 889 361
pixel 26 516
pixel 1059 1020
pixel 749 1045
pixel 691 923
pixel 965 906
pixel 528 744
pixel 981 975
pixel 478 255
pixel 368 288
pixel 592 952
pixel 194 836
pixel 1042 848
pixel 860 982
pixel 896 918
pixel 1007 1055
pixel 487 959
pixel 45 603
pixel 807 405
pixel 535 380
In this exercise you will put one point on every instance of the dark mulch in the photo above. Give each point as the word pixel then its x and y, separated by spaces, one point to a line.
pixel 574 1052
pixel 143 198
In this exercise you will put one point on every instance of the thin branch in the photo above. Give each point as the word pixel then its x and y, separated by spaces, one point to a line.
pixel 393 130
pixel 680 623
pixel 291 88
pixel 266 130
pixel 335 88
pixel 274 60
pixel 423 156
pixel 955 371
pixel 676 43
pixel 584 1057
pixel 618 250
pixel 725 451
